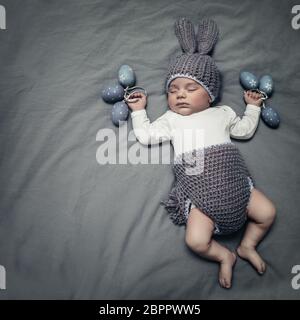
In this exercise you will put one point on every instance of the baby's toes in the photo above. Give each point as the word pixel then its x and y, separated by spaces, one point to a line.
pixel 262 268
pixel 226 284
pixel 223 282
pixel 258 263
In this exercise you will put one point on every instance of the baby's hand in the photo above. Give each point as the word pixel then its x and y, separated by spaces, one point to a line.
pixel 137 101
pixel 253 98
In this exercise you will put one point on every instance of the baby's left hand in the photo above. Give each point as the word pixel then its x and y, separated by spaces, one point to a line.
pixel 253 98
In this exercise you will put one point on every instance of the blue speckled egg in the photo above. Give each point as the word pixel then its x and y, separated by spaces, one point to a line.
pixel 266 84
pixel 270 117
pixel 119 112
pixel 248 80
pixel 126 76
pixel 112 92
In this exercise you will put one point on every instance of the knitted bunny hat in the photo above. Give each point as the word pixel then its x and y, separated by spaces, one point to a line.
pixel 195 62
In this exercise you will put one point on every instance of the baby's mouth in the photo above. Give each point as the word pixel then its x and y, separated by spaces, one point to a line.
pixel 182 104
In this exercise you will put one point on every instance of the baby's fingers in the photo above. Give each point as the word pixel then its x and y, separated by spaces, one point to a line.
pixel 132 100
pixel 252 95
pixel 134 95
pixel 255 95
pixel 140 93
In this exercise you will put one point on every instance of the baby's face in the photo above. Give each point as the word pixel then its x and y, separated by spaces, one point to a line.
pixel 186 96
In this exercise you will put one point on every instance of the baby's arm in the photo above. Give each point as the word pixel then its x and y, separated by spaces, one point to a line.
pixel 146 132
pixel 245 127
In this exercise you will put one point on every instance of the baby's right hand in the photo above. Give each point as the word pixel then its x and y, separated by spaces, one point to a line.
pixel 253 98
pixel 137 101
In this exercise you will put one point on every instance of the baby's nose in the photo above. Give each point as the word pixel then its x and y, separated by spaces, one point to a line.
pixel 181 94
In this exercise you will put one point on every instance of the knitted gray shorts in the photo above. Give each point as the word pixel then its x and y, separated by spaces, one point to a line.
pixel 189 206
pixel 220 189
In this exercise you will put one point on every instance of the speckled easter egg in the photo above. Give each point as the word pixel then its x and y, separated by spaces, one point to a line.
pixel 266 84
pixel 112 92
pixel 119 112
pixel 270 117
pixel 248 80
pixel 126 76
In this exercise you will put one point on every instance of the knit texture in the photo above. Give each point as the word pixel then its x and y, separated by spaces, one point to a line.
pixel 195 62
pixel 215 180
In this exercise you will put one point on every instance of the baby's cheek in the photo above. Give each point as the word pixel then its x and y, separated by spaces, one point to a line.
pixel 170 101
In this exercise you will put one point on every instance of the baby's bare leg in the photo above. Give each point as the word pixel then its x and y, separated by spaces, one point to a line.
pixel 198 237
pixel 261 212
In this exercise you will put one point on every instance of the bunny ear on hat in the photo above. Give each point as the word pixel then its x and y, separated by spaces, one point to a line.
pixel 185 33
pixel 207 36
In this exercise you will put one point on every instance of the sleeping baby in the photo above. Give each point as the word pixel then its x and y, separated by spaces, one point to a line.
pixel 213 192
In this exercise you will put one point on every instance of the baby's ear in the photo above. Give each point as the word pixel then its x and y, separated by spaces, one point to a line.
pixel 207 35
pixel 185 33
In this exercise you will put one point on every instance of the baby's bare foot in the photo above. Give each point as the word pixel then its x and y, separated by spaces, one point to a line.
pixel 250 254
pixel 225 273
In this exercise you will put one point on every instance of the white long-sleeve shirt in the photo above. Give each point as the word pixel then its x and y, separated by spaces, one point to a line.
pixel 214 125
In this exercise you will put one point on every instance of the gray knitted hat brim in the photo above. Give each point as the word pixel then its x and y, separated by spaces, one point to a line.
pixel 183 75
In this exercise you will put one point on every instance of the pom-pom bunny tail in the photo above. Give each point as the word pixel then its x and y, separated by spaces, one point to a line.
pixel 207 36
pixel 185 33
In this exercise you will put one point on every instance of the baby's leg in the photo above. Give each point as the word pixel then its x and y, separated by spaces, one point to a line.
pixel 198 237
pixel 261 212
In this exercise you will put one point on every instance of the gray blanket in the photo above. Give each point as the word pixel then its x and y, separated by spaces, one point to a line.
pixel 71 227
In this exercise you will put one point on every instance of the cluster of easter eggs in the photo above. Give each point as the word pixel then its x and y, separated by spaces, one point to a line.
pixel 114 92
pixel 266 85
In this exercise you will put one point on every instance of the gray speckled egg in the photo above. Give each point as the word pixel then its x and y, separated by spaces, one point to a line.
pixel 119 112
pixel 266 84
pixel 270 117
pixel 248 80
pixel 112 92
pixel 126 76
